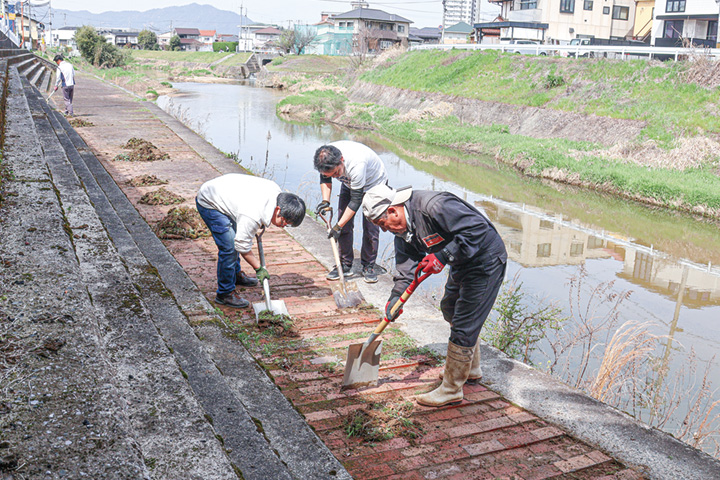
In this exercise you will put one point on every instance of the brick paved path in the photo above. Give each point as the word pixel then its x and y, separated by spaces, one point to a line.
pixel 483 438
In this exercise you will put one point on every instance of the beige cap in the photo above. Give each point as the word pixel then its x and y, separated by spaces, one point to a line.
pixel 380 197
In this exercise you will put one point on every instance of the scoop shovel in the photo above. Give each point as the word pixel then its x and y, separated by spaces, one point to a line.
pixel 276 307
pixel 363 359
pixel 345 296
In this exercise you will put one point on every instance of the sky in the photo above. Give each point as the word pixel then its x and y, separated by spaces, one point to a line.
pixel 423 13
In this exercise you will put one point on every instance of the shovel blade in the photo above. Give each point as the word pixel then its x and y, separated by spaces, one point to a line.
pixel 362 365
pixel 277 307
pixel 347 297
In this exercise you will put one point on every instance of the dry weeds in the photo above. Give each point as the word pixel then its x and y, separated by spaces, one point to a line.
pixel 79 122
pixel 141 151
pixel 378 422
pixel 429 112
pixel 146 181
pixel 161 196
pixel 181 223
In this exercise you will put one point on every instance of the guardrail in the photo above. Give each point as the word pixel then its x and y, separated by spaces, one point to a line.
pixel 609 51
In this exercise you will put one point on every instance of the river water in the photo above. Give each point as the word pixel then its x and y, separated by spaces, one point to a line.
pixel 581 251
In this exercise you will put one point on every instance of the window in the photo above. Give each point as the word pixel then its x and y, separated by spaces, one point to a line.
pixel 606 10
pixel 712 30
pixel 675 6
pixel 401 28
pixel 576 249
pixel 544 250
pixel 620 13
pixel 588 5
pixel 528 4
pixel 567 6
pixel 349 24
pixel 673 29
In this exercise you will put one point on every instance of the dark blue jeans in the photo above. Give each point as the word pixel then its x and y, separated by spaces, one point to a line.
pixel 223 229
pixel 370 238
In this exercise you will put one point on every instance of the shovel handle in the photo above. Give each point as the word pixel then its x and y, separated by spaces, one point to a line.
pixel 261 253
pixel 403 298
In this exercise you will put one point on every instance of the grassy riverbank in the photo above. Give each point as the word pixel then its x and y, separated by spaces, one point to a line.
pixel 673 163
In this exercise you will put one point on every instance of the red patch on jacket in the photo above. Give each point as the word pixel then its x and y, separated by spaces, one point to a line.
pixel 433 239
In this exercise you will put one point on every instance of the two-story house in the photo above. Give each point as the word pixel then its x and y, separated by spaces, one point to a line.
pixel 373 30
pixel 560 21
pixel 692 20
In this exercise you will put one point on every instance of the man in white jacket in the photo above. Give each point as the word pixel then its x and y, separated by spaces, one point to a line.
pixel 235 207
pixel 66 80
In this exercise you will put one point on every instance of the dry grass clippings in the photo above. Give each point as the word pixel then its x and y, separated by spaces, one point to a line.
pixel 79 122
pixel 141 151
pixel 146 181
pixel 161 196
pixel 379 421
pixel 181 223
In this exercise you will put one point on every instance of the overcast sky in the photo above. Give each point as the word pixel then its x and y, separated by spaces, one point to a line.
pixel 423 13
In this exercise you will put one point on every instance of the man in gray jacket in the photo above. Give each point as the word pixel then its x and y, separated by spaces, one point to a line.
pixel 434 229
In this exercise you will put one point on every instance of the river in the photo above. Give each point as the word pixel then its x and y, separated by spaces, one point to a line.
pixel 601 260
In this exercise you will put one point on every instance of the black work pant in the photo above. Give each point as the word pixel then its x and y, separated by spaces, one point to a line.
pixel 470 294
pixel 370 239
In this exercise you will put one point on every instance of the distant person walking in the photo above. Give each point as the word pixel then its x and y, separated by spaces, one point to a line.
pixel 66 80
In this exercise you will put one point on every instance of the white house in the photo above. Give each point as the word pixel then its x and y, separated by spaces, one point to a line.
pixel 695 20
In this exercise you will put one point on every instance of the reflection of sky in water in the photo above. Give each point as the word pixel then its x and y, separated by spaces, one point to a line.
pixel 238 119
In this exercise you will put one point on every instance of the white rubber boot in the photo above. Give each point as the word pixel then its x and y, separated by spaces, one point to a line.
pixel 475 370
pixel 457 369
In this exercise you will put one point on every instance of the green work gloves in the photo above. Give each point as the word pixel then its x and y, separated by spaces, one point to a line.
pixel 262 274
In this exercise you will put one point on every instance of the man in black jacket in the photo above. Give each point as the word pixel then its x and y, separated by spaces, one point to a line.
pixel 434 229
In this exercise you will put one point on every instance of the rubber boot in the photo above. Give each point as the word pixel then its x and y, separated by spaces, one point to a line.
pixel 457 369
pixel 475 370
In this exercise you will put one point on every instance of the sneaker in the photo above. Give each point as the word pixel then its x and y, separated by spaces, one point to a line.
pixel 232 300
pixel 348 273
pixel 369 274
pixel 245 281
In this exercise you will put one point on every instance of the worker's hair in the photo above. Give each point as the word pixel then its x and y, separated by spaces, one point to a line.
pixel 58 57
pixel 292 208
pixel 327 157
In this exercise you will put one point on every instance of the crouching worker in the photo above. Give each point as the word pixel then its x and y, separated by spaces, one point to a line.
pixel 434 229
pixel 234 207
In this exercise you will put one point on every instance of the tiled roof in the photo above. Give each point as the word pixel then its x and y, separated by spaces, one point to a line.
pixel 269 31
pixel 460 27
pixel 207 33
pixel 187 31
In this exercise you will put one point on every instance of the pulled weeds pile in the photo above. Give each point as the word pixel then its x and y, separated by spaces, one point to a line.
pixel 181 223
pixel 161 196
pixel 278 325
pixel 142 151
pixel 378 422
pixel 79 122
pixel 146 181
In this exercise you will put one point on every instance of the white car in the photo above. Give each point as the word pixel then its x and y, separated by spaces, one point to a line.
pixel 527 47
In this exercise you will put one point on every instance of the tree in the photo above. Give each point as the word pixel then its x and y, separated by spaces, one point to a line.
pixel 147 40
pixel 175 43
pixel 95 49
pixel 286 41
pixel 297 39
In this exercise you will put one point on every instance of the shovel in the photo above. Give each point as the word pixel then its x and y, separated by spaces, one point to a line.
pixel 277 307
pixel 344 297
pixel 363 359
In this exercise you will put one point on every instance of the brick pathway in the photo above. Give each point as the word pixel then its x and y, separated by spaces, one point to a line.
pixel 483 438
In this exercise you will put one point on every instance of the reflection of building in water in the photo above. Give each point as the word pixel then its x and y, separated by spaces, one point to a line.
pixel 536 239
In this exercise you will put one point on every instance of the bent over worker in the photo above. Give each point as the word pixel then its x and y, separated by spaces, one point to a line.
pixel 66 80
pixel 434 229
pixel 358 168
pixel 234 206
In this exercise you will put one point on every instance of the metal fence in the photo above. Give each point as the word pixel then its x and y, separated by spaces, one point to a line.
pixel 624 52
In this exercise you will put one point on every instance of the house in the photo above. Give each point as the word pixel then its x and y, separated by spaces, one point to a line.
pixel 187 33
pixel 266 38
pixel 246 38
pixel 559 21
pixel 121 37
pixel 329 39
pixel 644 12
pixel 227 37
pixel 164 39
pixel 192 45
pixel 373 30
pixel 695 21
pixel 64 37
pixel 427 35
pixel 208 37
pixel 458 33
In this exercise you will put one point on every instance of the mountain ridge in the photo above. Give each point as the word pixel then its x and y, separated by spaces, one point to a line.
pixel 158 20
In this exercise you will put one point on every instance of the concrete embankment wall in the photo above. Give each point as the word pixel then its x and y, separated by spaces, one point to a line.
pixel 521 120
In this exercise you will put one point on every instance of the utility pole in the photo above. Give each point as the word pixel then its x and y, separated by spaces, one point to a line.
pixel 50 17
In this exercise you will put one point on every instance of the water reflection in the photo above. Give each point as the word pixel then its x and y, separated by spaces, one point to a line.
pixel 665 259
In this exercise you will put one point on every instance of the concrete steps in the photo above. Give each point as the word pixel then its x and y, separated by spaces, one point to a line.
pixel 260 433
